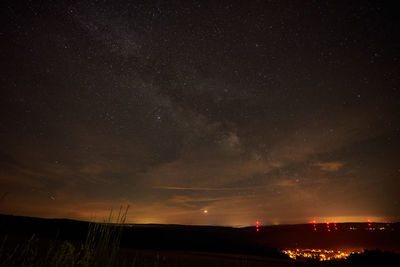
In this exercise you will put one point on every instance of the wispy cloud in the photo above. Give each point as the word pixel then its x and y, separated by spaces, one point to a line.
pixel 204 188
pixel 329 166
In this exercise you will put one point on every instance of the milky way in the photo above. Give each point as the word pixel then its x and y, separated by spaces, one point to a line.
pixel 217 113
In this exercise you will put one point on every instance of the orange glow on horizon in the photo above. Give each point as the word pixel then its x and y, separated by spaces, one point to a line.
pixel 352 219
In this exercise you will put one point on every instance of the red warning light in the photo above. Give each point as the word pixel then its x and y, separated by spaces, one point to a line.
pixel 328 226
pixel 369 224
pixel 257 225
pixel 314 222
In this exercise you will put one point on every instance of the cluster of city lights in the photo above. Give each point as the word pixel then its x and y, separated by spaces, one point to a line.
pixel 318 254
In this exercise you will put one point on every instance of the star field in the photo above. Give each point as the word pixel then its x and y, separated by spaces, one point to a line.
pixel 201 112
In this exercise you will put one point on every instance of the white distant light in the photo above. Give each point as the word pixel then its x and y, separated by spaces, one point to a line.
pixel 205 211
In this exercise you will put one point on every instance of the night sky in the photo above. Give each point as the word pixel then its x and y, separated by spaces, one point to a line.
pixel 198 112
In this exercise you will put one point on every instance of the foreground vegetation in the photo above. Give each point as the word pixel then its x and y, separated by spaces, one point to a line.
pixel 99 249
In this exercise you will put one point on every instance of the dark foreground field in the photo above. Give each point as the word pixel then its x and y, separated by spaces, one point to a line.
pixel 58 242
